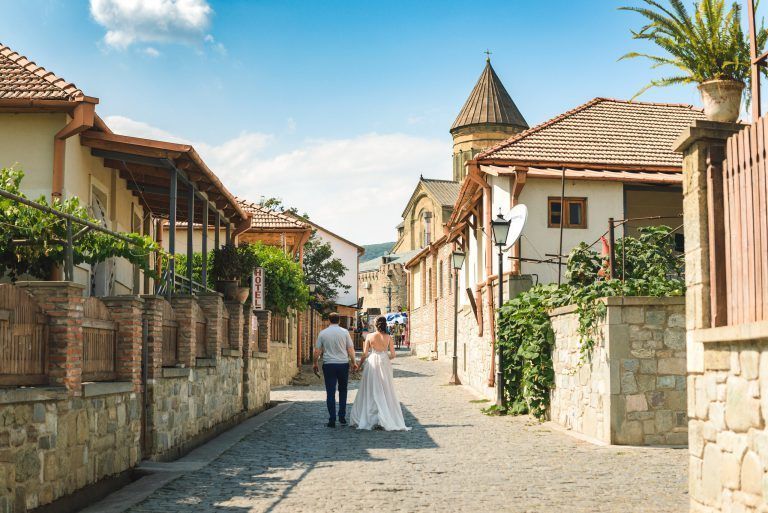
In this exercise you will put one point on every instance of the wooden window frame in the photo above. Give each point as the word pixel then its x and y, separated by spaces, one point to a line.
pixel 564 212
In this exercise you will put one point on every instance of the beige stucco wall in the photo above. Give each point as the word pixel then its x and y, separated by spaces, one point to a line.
pixel 27 141
pixel 412 223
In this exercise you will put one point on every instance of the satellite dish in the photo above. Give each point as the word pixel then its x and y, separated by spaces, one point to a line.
pixel 516 217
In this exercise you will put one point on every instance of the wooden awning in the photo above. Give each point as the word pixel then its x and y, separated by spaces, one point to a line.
pixel 148 166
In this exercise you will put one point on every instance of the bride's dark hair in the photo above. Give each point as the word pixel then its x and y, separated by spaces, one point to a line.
pixel 381 324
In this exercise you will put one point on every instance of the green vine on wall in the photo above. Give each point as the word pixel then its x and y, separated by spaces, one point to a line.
pixel 33 242
pixel 649 266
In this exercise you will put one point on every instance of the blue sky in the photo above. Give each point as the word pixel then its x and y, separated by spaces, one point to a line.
pixel 336 107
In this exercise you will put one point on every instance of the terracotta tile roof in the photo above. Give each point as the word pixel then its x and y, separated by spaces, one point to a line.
pixel 22 78
pixel 489 102
pixel 263 218
pixel 603 131
pixel 444 191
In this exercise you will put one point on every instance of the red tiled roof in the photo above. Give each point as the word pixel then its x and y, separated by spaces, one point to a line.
pixel 263 218
pixel 603 131
pixel 22 78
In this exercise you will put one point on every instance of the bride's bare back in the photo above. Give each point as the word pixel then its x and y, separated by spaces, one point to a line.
pixel 380 342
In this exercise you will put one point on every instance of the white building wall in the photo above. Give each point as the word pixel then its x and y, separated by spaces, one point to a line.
pixel 604 200
pixel 350 257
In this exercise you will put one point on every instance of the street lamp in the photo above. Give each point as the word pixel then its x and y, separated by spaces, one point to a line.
pixel 388 288
pixel 500 228
pixel 457 259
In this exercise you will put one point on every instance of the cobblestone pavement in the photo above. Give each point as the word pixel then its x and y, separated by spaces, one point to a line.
pixel 454 459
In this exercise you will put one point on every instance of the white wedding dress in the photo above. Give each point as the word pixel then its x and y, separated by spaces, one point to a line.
pixel 376 403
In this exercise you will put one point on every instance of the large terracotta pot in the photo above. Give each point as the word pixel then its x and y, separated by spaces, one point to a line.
pixel 721 99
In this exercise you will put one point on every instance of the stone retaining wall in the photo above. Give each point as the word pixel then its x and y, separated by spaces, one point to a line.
pixel 57 439
pixel 282 364
pixel 632 390
pixel 188 403
pixel 52 444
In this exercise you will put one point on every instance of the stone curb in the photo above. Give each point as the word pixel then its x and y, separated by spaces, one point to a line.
pixel 161 474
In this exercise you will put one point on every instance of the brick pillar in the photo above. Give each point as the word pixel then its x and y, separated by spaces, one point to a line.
pixel 236 328
pixel 703 149
pixel 212 305
pixel 153 316
pixel 264 319
pixel 62 301
pixel 184 307
pixel 127 313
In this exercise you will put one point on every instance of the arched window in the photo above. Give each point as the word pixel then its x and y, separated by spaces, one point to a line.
pixel 425 228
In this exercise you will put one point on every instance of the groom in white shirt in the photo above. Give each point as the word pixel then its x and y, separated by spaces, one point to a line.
pixel 335 346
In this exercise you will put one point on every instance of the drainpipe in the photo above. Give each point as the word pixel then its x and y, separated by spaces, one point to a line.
pixel 82 119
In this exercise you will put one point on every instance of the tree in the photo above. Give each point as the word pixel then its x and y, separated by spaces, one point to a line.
pixel 284 279
pixel 321 268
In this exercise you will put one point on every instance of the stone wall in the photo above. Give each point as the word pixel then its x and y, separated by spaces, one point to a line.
pixel 373 284
pixel 56 439
pixel 727 365
pixel 52 444
pixel 282 364
pixel 431 324
pixel 632 389
pixel 188 403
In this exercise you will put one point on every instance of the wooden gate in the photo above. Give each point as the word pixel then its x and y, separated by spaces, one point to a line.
pixel 170 336
pixel 99 342
pixel 738 227
pixel 278 329
pixel 23 339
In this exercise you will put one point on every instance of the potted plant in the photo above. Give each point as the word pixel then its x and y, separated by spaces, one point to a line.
pixel 226 271
pixel 708 48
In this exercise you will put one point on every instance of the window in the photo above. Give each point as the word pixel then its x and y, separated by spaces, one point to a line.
pixel 440 279
pixel 575 213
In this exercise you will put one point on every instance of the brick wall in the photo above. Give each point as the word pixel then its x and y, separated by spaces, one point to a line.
pixel 631 391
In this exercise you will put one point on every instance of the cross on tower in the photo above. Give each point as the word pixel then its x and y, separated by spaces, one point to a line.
pixel 488 55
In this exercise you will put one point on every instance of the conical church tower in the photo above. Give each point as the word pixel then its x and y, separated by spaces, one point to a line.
pixel 489 116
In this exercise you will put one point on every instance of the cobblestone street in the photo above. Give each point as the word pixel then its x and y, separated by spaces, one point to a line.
pixel 454 459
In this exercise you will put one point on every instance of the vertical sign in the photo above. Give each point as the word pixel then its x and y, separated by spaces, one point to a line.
pixel 257 289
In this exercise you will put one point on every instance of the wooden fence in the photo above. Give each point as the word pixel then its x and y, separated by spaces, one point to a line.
pixel 170 336
pixel 278 330
pixel 738 224
pixel 99 342
pixel 23 339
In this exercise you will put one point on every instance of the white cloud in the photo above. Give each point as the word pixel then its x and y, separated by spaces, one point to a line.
pixel 356 187
pixel 143 21
pixel 152 52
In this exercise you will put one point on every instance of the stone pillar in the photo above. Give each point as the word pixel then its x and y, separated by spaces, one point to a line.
pixel 153 316
pixel 264 319
pixel 127 313
pixel 184 308
pixel 703 149
pixel 236 329
pixel 212 305
pixel 62 301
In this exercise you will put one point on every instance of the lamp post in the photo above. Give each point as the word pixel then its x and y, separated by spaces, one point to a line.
pixel 500 228
pixel 312 288
pixel 457 259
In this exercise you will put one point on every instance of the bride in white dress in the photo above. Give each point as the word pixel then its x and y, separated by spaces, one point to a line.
pixel 376 403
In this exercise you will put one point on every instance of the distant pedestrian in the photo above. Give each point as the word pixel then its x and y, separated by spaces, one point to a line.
pixel 335 346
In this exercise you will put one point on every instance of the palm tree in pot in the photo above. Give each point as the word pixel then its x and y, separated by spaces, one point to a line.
pixel 708 47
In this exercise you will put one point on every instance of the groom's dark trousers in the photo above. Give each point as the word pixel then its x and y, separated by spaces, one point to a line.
pixel 333 373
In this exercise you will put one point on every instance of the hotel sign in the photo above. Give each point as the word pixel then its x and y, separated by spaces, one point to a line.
pixel 257 289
